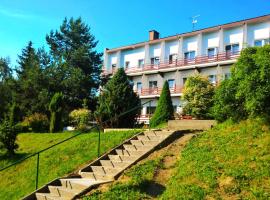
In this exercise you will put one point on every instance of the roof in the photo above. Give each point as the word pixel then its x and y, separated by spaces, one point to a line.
pixel 192 33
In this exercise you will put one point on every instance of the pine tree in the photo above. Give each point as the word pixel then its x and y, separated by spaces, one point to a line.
pixel 164 110
pixel 118 97
pixel 56 108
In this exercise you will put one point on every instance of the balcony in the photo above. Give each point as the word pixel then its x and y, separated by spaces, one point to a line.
pixel 157 91
pixel 181 63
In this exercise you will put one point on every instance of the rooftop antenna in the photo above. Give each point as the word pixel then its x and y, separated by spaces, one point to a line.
pixel 194 21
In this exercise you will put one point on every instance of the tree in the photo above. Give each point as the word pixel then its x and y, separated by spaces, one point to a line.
pixel 247 93
pixel 55 108
pixel 118 97
pixel 198 94
pixel 8 135
pixel 75 61
pixel 31 85
pixel 164 110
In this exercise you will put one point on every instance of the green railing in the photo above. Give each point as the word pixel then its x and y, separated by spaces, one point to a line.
pixel 37 154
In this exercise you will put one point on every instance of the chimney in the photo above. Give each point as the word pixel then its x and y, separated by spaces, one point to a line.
pixel 153 35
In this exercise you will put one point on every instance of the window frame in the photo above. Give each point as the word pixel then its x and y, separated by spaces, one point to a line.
pixel 139 63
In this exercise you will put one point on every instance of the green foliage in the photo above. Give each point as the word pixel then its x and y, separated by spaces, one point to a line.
pixel 164 110
pixel 55 107
pixel 248 90
pixel 63 159
pixel 38 122
pixel 80 118
pixel 118 97
pixel 228 161
pixel 198 94
pixel 8 135
pixel 14 114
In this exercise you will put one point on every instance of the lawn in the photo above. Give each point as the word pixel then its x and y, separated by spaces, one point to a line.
pixel 19 180
pixel 231 161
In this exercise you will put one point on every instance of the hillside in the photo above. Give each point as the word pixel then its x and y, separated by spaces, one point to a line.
pixel 231 161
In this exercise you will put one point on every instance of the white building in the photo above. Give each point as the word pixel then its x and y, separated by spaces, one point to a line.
pixel 210 52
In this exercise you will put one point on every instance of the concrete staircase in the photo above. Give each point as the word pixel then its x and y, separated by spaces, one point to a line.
pixel 103 170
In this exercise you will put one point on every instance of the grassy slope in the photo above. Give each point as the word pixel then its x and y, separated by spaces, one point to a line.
pixel 228 162
pixel 65 158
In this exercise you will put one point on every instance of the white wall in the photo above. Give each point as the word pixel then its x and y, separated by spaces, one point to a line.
pixel 258 31
pixel 171 48
pixel 209 40
pixel 155 50
pixel 190 44
pixel 132 56
pixel 112 59
pixel 232 36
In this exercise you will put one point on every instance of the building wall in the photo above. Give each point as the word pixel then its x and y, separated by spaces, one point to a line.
pixel 258 31
pixel 233 36
pixel 171 47
pixel 190 44
pixel 209 40
pixel 132 56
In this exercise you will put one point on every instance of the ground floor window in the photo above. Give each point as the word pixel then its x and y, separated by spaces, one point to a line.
pixel 150 110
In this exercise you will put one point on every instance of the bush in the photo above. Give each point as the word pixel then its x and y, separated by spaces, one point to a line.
pixel 55 108
pixel 8 135
pixel 198 94
pixel 37 122
pixel 80 117
pixel 164 110
pixel 118 97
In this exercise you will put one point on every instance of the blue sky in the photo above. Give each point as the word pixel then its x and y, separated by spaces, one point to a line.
pixel 115 22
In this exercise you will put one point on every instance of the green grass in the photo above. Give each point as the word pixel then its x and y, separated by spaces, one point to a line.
pixel 140 177
pixel 19 180
pixel 231 161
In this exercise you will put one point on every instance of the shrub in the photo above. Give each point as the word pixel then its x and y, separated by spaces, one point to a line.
pixel 118 97
pixel 37 122
pixel 80 117
pixel 55 108
pixel 8 135
pixel 164 110
pixel 198 94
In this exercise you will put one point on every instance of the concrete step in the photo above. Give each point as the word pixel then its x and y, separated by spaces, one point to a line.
pixel 119 158
pixel 77 184
pixel 151 138
pixel 95 177
pixel 123 152
pixel 48 196
pixel 130 147
pixel 63 192
pixel 149 142
pixel 106 163
pixel 98 170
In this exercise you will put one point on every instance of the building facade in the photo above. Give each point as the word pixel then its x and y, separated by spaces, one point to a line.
pixel 210 52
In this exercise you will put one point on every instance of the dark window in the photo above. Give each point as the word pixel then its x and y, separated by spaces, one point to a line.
pixel 190 55
pixel 152 84
pixel 258 43
pixel 184 80
pixel 127 63
pixel 155 61
pixel 232 49
pixel 113 65
pixel 212 52
pixel 171 83
pixel 212 79
pixel 139 86
pixel 150 110
pixel 140 63
pixel 172 58
pixel 227 75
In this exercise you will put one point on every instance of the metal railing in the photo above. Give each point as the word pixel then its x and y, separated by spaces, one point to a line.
pixel 180 62
pixel 37 154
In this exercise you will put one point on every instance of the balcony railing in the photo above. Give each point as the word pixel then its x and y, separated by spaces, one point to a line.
pixel 157 91
pixel 181 62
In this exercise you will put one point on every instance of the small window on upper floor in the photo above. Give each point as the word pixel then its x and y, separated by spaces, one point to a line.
pixel 212 79
pixel 184 80
pixel 155 61
pixel 113 65
pixel 260 43
pixel 232 49
pixel 140 63
pixel 139 86
pixel 212 52
pixel 190 55
pixel 127 64
pixel 171 83
pixel 172 58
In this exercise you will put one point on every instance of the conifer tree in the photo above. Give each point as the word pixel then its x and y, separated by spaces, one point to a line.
pixel 164 110
pixel 56 108
pixel 117 97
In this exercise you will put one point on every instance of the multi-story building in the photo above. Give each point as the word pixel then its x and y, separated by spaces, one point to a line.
pixel 210 52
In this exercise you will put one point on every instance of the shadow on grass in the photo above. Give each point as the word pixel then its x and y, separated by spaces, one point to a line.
pixel 152 188
pixel 8 159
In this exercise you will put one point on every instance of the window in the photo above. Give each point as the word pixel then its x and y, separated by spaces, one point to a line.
pixel 212 52
pixel 150 110
pixel 155 61
pixel 212 79
pixel 171 83
pixel 232 49
pixel 127 63
pixel 139 86
pixel 184 80
pixel 152 84
pixel 113 65
pixel 190 55
pixel 172 58
pixel 260 43
pixel 140 63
